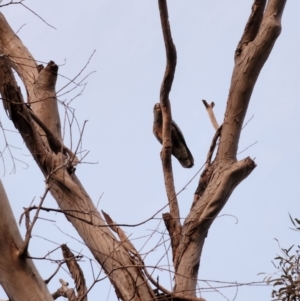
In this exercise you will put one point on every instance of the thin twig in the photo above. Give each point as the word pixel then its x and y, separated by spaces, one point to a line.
pixel 37 15
pixel 55 272
pixel 78 74
pixel 24 249
pixel 67 212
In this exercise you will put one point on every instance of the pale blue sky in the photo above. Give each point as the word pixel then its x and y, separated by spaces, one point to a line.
pixel 118 101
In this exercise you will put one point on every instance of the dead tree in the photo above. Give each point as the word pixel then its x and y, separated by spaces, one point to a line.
pixel 37 120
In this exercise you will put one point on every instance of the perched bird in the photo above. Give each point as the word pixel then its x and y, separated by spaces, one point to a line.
pixel 179 147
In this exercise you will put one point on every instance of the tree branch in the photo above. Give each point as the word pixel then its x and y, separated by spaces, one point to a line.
pixel 76 273
pixel 245 73
pixel 24 249
pixel 167 122
pixel 65 186
pixel 64 291
pixel 209 109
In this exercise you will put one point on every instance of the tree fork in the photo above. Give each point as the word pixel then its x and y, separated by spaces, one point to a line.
pixel 65 186
pixel 225 173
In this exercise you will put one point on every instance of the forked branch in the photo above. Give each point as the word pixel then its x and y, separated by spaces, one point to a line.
pixel 210 112
pixel 222 174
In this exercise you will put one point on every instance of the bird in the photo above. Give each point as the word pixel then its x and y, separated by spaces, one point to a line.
pixel 179 148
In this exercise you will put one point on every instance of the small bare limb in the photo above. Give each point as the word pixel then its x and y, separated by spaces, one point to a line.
pixel 9 148
pixel 76 272
pixel 208 170
pixel 11 2
pixel 36 15
pixel 55 272
pixel 213 145
pixel 247 147
pixel 64 291
pixel 78 74
pixel 74 158
pixel 24 249
pixel 209 109
pixel 122 236
pixel 27 219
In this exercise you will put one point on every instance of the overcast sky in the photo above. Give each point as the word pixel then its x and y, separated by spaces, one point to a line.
pixel 118 100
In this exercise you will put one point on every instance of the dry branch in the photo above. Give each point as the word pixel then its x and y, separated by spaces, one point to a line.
pixel 65 187
pixel 24 249
pixel 75 272
pixel 65 291
pixel 209 109
pixel 167 123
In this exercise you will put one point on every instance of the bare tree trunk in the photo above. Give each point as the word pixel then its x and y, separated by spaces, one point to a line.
pixel 224 173
pixel 18 275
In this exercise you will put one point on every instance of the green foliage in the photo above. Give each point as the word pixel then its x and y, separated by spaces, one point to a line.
pixel 287 285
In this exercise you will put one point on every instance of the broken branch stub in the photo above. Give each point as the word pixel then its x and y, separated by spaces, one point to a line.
pixel 76 272
pixel 209 109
